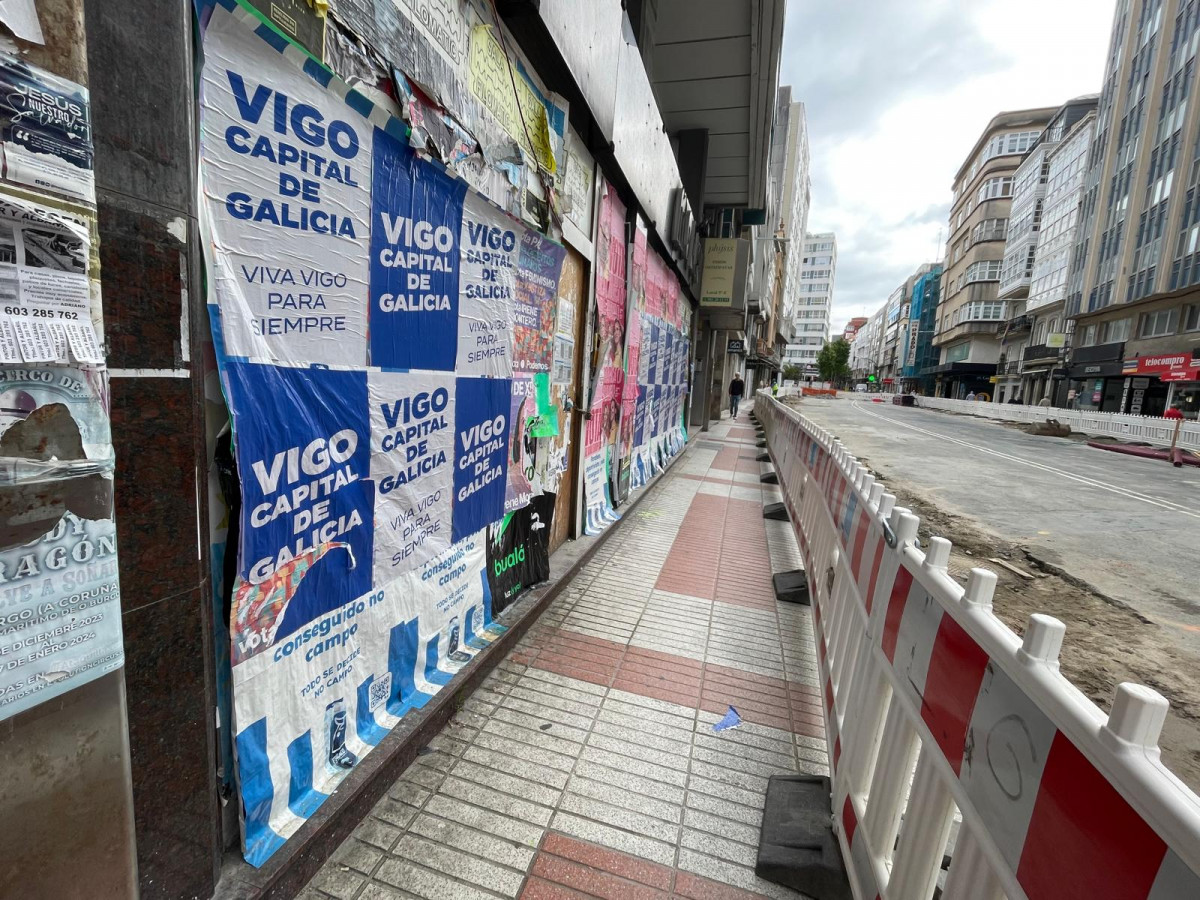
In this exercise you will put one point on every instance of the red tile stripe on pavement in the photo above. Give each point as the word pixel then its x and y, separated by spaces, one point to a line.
pixel 721 553
pixel 569 869
pixel 787 705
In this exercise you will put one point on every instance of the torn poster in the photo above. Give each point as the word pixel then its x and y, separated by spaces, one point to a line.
pixel 45 130
pixel 44 293
pixel 60 602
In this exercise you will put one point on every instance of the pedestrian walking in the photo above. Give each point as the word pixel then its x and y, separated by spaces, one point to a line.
pixel 971 396
pixel 775 389
pixel 1045 401
pixel 736 388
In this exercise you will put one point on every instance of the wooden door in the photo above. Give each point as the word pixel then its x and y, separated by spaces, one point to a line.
pixel 572 293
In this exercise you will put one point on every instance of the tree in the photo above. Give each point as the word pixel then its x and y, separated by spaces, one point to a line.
pixel 791 373
pixel 833 361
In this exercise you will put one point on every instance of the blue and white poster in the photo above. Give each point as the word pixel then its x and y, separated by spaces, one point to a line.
pixel 481 453
pixel 286 183
pixel 412 465
pixel 418 210
pixel 362 302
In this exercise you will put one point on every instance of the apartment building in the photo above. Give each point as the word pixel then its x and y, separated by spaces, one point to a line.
pixel 1134 281
pixel 1040 222
pixel 971 316
pixel 813 297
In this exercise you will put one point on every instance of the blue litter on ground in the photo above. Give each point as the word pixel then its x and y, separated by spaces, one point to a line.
pixel 731 720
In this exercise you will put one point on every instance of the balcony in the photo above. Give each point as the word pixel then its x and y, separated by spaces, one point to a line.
pixel 1019 324
pixel 962 329
pixel 1040 353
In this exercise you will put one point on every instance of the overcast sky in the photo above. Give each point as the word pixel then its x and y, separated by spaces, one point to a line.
pixel 898 91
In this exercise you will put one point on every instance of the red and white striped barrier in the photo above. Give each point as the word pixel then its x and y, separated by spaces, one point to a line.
pixel 948 734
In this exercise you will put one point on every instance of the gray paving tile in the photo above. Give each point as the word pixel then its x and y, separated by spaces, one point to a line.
pixel 571 684
pixel 554 697
pixel 376 891
pixel 619 817
pixel 726 744
pixel 638 751
pixel 337 882
pixel 643 714
pixel 422 775
pixel 727 809
pixel 409 792
pixel 627 799
pixel 748 795
pixel 355 854
pixel 642 737
pixel 722 827
pixel 537 792
pixel 536 723
pixel 378 833
pixel 729 776
pixel 613 838
pixel 673 709
pixel 529 733
pixel 469 840
pixel 484 820
pixel 550 712
pixel 626 780
pixel 665 727
pixel 496 801
pixel 521 751
pixel 431 885
pixel 601 757
pixel 466 867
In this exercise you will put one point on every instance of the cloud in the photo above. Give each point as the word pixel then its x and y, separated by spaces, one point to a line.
pixel 849 62
pixel 896 94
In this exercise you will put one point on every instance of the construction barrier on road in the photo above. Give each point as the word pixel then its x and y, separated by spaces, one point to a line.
pixel 1150 429
pixel 949 735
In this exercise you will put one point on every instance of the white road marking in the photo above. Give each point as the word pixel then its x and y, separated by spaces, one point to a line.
pixel 1091 482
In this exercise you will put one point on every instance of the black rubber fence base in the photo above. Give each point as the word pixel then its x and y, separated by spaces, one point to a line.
pixel 769 478
pixel 761 444
pixel 797 847
pixel 776 511
pixel 763 457
pixel 791 587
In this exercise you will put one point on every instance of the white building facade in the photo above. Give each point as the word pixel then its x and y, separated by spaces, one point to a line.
pixel 793 222
pixel 813 308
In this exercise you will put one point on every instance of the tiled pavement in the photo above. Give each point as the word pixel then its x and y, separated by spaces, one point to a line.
pixel 587 765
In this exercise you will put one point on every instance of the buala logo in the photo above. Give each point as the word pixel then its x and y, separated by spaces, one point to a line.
pixel 503 565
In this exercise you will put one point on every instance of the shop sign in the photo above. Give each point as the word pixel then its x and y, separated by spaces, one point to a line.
pixel 1056 340
pixel 720 269
pixel 1174 367
pixel 737 346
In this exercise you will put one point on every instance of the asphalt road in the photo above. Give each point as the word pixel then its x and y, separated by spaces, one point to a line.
pixel 1128 527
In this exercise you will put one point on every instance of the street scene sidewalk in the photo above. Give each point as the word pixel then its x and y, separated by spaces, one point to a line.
pixel 590 763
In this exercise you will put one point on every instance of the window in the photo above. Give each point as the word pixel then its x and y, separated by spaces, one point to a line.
pixel 984 270
pixel 1039 333
pixel 989 230
pixel 1191 317
pixel 1089 336
pixel 981 310
pixel 994 188
pixel 1112 332
pixel 1158 324
pixel 958 353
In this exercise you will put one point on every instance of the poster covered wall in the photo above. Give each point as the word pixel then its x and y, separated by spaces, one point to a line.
pixel 385 340
pixel 608 380
pixel 60 599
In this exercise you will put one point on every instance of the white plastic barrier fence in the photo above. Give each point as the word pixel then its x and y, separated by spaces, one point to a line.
pixel 939 718
pixel 1143 429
